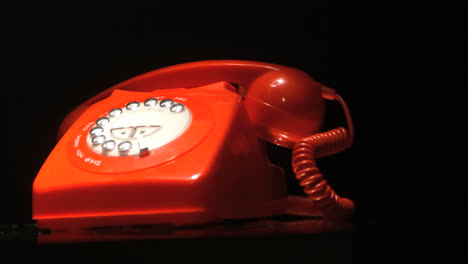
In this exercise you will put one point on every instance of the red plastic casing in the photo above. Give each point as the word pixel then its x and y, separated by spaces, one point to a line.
pixel 215 170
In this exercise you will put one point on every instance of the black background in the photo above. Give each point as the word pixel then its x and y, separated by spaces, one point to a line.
pixel 402 73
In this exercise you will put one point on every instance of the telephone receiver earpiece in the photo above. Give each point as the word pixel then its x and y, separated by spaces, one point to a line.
pixel 284 104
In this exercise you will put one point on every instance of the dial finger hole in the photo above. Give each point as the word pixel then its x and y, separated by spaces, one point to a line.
pixel 151 102
pixel 177 108
pixel 96 131
pixel 125 146
pixel 116 112
pixel 102 121
pixel 108 145
pixel 166 103
pixel 133 105
pixel 98 139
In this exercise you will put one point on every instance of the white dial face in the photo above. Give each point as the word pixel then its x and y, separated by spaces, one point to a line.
pixel 139 127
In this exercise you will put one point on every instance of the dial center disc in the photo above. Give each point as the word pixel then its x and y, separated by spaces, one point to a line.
pixel 139 127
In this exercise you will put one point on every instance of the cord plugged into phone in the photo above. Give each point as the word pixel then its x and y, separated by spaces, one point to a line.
pixel 180 146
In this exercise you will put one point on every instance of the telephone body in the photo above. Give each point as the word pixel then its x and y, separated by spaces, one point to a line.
pixel 182 145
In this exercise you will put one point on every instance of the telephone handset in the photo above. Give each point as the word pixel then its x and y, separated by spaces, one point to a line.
pixel 179 145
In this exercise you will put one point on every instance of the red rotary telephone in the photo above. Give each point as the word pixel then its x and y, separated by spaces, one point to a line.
pixel 180 145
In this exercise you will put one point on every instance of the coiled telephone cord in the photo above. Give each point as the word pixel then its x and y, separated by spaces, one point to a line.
pixel 322 199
